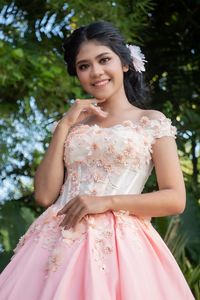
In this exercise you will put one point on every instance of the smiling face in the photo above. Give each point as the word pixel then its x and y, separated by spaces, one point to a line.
pixel 99 70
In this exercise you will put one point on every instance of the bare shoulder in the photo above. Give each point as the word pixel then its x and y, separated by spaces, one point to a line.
pixel 154 114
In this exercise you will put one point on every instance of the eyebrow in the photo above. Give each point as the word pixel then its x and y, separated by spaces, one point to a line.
pixel 98 56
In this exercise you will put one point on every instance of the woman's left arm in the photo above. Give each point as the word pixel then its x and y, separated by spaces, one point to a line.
pixel 170 199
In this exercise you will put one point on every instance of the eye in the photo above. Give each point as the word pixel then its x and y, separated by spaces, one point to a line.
pixel 83 67
pixel 104 60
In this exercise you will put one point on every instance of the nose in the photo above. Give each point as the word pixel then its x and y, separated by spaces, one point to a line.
pixel 97 70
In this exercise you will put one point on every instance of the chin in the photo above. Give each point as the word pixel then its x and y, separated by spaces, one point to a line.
pixel 102 99
pixel 98 97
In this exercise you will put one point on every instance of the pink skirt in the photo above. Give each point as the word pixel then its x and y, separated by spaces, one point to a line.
pixel 109 256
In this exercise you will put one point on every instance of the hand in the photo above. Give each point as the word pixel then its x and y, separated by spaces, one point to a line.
pixel 80 206
pixel 82 109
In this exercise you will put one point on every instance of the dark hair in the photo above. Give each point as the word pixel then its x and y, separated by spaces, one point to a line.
pixel 106 34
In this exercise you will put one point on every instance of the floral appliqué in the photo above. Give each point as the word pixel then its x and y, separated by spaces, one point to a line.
pixel 96 157
pixel 100 227
pixel 103 152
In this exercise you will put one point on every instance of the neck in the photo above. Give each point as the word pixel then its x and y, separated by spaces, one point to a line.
pixel 116 104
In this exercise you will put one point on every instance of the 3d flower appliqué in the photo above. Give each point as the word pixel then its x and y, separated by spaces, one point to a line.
pixel 138 58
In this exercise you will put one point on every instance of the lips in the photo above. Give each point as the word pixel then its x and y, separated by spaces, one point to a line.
pixel 101 82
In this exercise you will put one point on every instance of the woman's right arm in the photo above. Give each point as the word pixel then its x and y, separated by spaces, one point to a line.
pixel 49 176
pixel 50 173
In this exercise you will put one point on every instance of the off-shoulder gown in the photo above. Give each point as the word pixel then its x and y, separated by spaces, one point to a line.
pixel 109 256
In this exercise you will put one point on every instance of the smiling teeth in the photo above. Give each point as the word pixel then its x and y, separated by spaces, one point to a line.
pixel 103 82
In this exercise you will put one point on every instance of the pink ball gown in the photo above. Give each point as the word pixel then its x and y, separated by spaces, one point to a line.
pixel 107 256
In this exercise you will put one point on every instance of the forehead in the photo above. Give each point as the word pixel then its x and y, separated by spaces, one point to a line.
pixel 91 49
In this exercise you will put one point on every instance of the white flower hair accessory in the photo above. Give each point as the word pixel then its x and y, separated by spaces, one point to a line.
pixel 138 58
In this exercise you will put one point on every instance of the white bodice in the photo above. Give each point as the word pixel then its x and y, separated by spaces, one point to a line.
pixel 108 161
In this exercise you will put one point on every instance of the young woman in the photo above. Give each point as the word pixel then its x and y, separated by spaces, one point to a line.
pixel 95 240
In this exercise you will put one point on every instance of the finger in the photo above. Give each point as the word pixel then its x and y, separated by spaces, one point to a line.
pixel 95 107
pixel 98 111
pixel 85 102
pixel 89 103
pixel 81 215
pixel 72 214
pixel 94 100
pixel 66 207
pixel 94 110
pixel 64 221
pixel 69 214
pixel 77 216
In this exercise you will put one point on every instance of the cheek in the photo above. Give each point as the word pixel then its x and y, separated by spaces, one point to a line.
pixel 115 68
pixel 83 77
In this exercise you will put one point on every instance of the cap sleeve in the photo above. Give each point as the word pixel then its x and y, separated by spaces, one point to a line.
pixel 163 127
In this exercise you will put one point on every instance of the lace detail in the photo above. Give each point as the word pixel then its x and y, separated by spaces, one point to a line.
pixel 100 161
pixel 129 147
pixel 102 153
pixel 55 260
pixel 43 229
pixel 163 127
pixel 97 149
pixel 125 225
pixel 100 227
